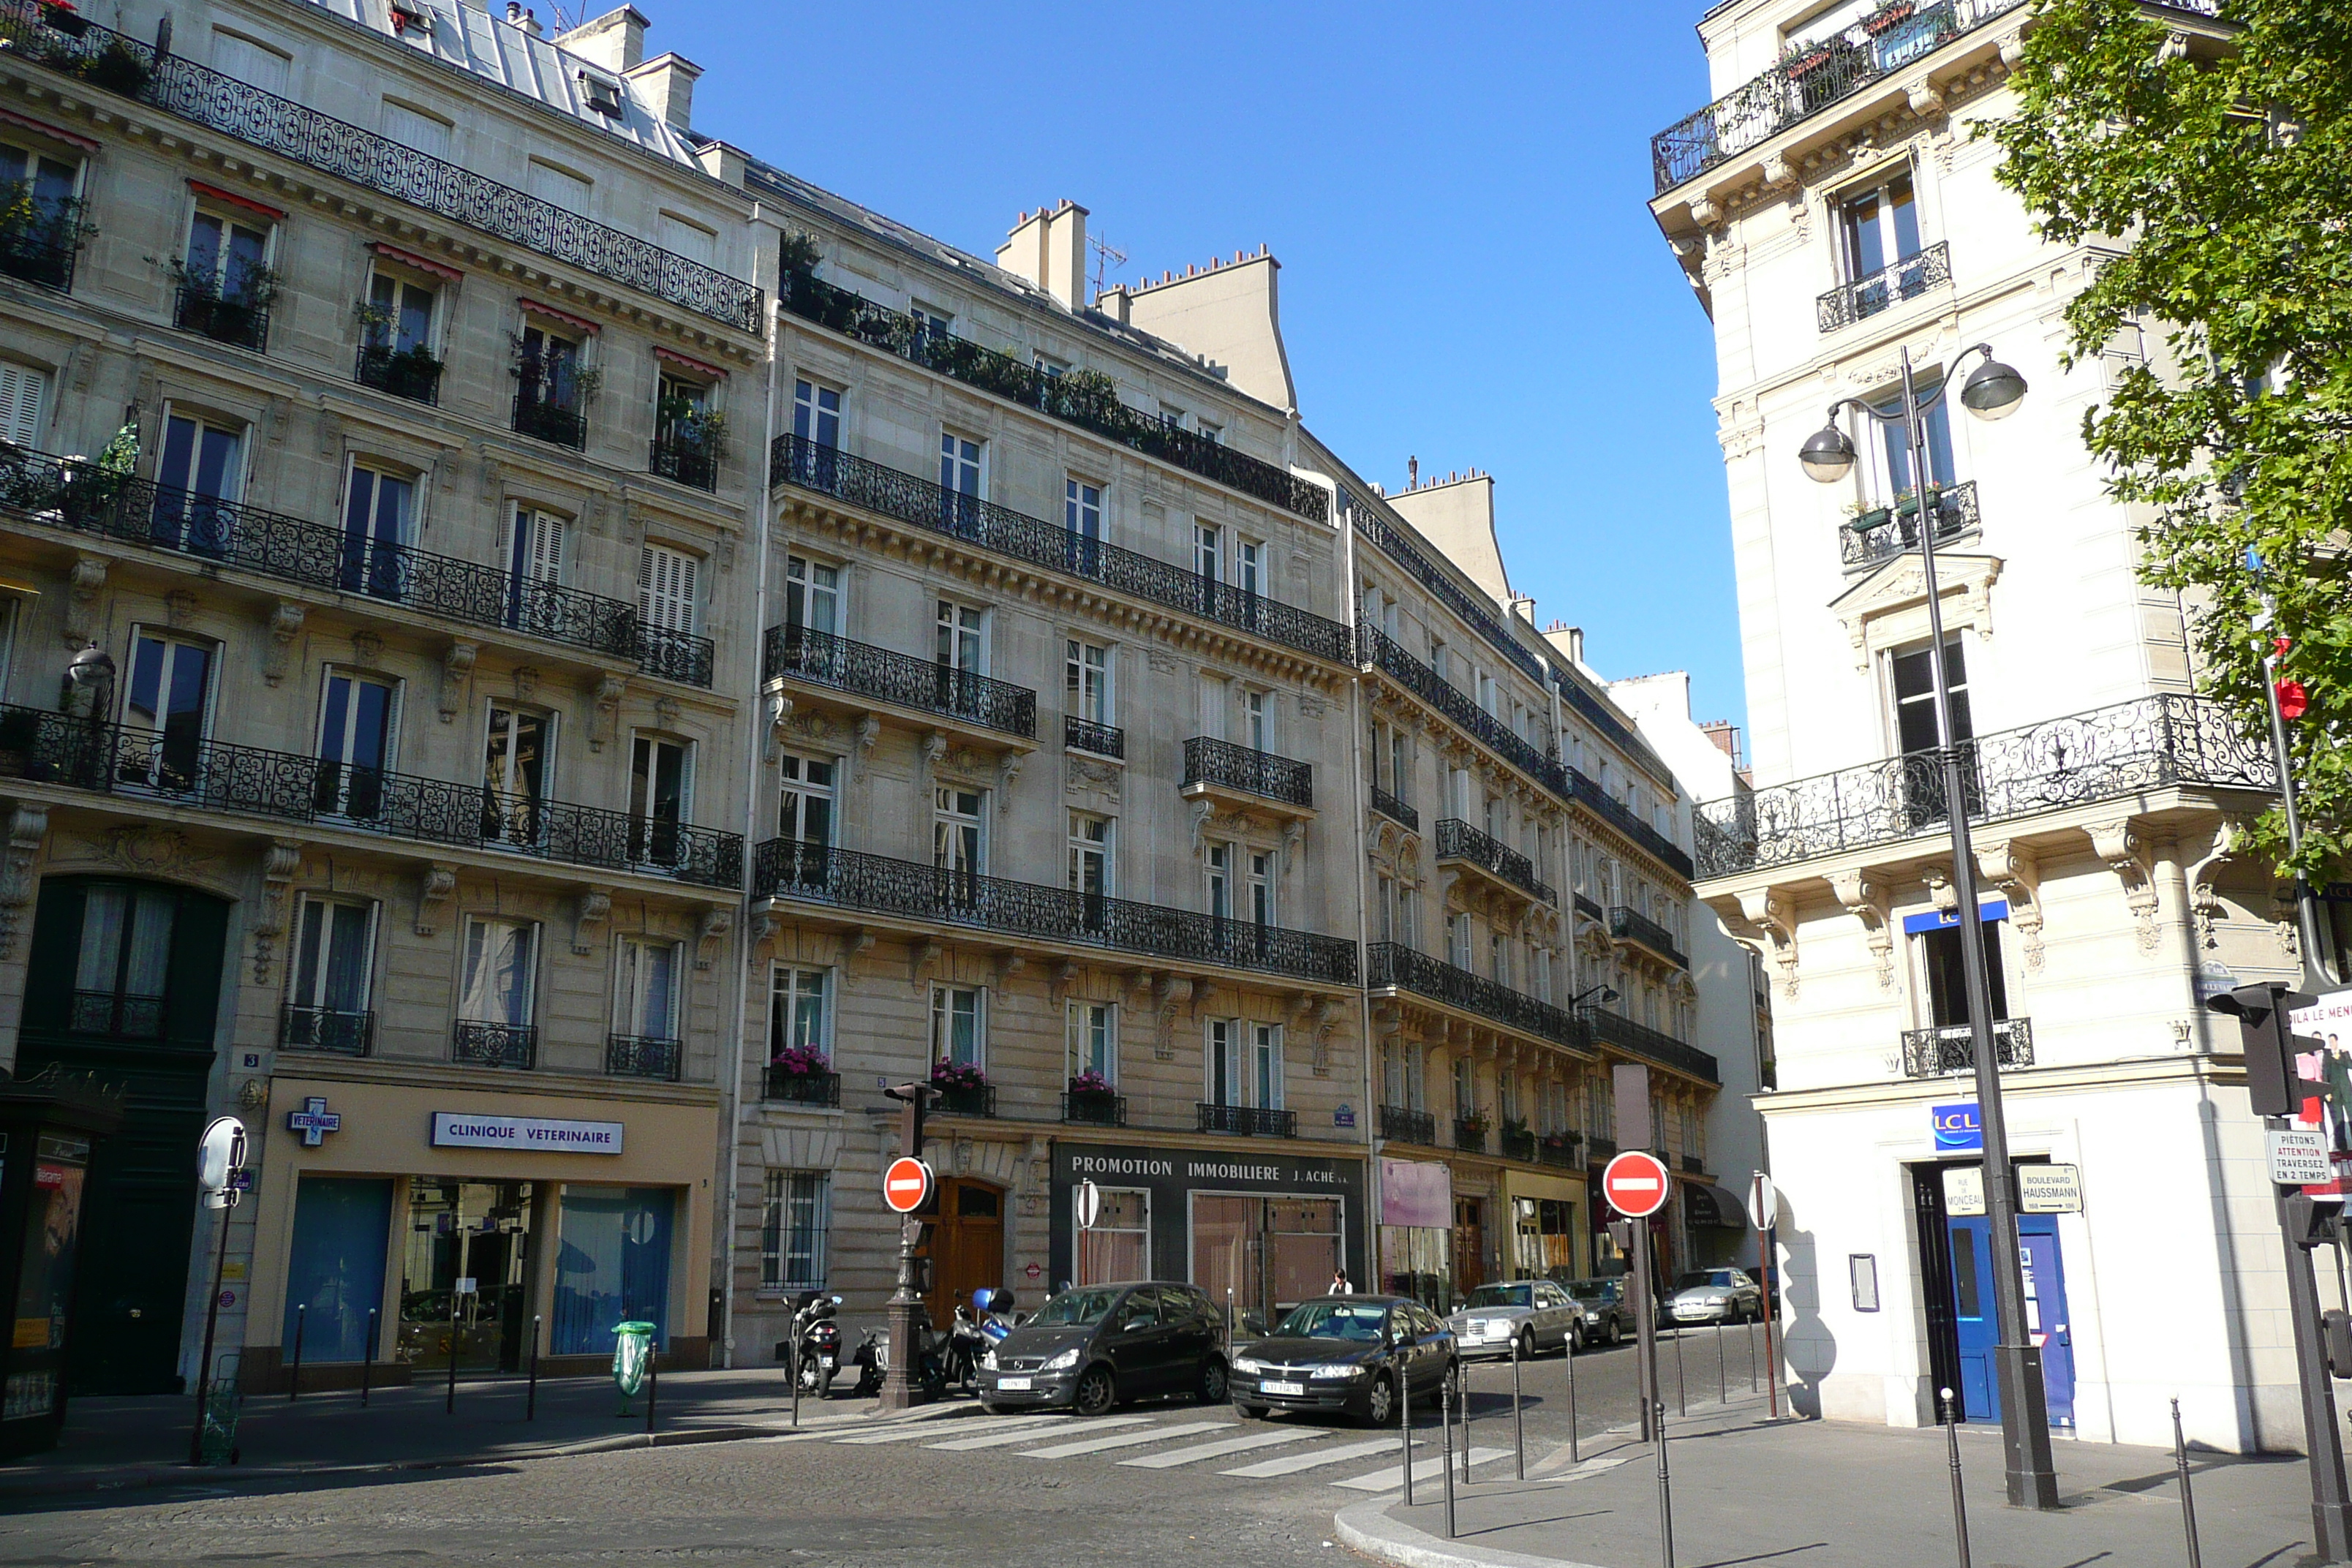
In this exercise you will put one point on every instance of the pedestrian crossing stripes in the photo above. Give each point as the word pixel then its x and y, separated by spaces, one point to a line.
pixel 1427 1468
pixel 960 1428
pixel 1218 1450
pixel 1006 1440
pixel 1126 1439
pixel 1291 1465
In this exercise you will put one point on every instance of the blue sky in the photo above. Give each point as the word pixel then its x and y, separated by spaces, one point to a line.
pixel 1469 273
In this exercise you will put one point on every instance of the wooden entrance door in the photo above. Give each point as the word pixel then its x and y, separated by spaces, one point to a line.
pixel 966 1243
pixel 1469 1246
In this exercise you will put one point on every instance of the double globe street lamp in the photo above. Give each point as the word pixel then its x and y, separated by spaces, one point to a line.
pixel 1992 391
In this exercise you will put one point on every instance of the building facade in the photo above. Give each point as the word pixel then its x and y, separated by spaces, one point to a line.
pixel 1834 213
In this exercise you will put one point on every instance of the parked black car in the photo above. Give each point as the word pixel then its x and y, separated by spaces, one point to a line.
pixel 1344 1354
pixel 1608 1315
pixel 1095 1345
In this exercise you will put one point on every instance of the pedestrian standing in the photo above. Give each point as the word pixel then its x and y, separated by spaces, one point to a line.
pixel 1339 1286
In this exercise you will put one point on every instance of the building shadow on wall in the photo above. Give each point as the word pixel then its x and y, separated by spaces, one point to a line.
pixel 1808 1350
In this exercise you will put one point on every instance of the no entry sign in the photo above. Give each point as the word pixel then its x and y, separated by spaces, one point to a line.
pixel 905 1184
pixel 1635 1185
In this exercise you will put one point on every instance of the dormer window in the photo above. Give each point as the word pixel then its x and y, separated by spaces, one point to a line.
pixel 601 93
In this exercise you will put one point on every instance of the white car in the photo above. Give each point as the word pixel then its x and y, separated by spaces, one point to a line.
pixel 1536 1315
pixel 1715 1296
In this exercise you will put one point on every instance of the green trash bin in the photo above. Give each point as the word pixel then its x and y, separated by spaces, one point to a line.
pixel 633 1353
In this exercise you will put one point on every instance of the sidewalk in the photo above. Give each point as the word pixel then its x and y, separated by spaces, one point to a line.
pixel 143 1442
pixel 1811 1494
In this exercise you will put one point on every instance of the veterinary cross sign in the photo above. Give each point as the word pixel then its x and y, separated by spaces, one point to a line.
pixel 314 1120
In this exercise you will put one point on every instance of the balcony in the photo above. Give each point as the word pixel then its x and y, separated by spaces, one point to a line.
pixel 1879 535
pixel 1889 286
pixel 684 461
pixel 1479 616
pixel 325 1029
pixel 1219 768
pixel 1083 403
pixel 1942 1052
pixel 1251 1120
pixel 86 498
pixel 1395 810
pixel 917 502
pixel 1515 1143
pixel 1093 1107
pixel 1085 735
pixel 1502 865
pixel 1400 1125
pixel 1394 965
pixel 1384 653
pixel 1885 41
pixel 1634 926
pixel 224 319
pixel 542 418
pixel 411 373
pixel 2151 742
pixel 1652 1045
pixel 929 895
pixel 1599 1150
pixel 40 245
pixel 175 769
pixel 642 1055
pixel 1560 1150
pixel 120 64
pixel 788 1087
pixel 1619 816
pixel 121 1013
pixel 1590 908
pixel 514 1046
pixel 965 1099
pixel 883 675
pixel 1693 1166
pixel 1469 1135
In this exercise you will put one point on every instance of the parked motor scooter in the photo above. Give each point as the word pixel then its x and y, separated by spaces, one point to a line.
pixel 814 1349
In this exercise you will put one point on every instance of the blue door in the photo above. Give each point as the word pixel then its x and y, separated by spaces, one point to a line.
pixel 2045 1315
pixel 1973 1318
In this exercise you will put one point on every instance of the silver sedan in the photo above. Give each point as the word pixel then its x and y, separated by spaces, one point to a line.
pixel 1534 1315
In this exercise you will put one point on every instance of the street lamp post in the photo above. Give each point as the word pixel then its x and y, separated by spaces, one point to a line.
pixel 1992 391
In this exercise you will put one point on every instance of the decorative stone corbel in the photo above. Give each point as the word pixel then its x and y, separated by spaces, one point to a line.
pixel 83 585
pixel 1008 962
pixel 279 865
pixel 1326 1023
pixel 1169 994
pixel 766 921
pixel 1775 918
pixel 277 652
pixel 1705 213
pixel 603 708
pixel 1865 901
pixel 1058 976
pixel 666 712
pixel 2012 48
pixel 708 932
pixel 525 682
pixel 27 824
pixel 590 909
pixel 2118 843
pixel 1778 174
pixel 456 664
pixel 779 713
pixel 869 730
pixel 435 888
pixel 2010 866
pixel 919 954
pixel 1941 890
pixel 367 648
pixel 2205 904
pixel 856 941
pixel 180 608
pixel 1926 99
pixel 1202 811
pixel 1294 839
pixel 1008 768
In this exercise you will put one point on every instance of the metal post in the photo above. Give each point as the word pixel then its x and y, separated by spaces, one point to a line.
pixel 367 1362
pixel 1445 1422
pixel 1572 1457
pixel 1722 1388
pixel 1645 1331
pixel 1463 1385
pixel 1665 1493
pixel 2031 1471
pixel 211 1321
pixel 2188 1504
pixel 1404 1423
pixel 1682 1404
pixel 1754 1386
pixel 1518 1415
pixel 1959 1498
pixel 653 1385
pixel 531 1396
pixel 1771 1325
pixel 449 1403
pixel 793 1364
pixel 294 1383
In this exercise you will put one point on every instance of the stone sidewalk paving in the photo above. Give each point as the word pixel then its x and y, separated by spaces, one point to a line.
pixel 1811 1494
pixel 143 1442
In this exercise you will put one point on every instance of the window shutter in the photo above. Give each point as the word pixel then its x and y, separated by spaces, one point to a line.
pixel 545 562
pixel 20 403
pixel 666 588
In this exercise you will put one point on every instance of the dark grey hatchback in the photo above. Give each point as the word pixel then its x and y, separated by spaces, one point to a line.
pixel 1344 1354
pixel 1095 1345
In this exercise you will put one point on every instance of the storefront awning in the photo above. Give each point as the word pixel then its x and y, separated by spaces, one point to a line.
pixel 1705 1203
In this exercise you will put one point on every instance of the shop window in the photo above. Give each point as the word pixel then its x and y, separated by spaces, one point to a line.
pixel 794 1221
pixel 1119 1246
pixel 335 1266
pixel 464 1233
pixel 612 1267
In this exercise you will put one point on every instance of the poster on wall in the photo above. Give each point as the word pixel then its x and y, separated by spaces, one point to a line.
pixel 1416 1194
pixel 2328 1072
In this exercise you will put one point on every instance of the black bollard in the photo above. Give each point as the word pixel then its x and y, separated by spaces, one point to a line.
pixel 1960 1500
pixel 294 1383
pixel 653 1385
pixel 367 1362
pixel 2188 1504
pixel 530 1394
pixel 449 1404
pixel 1572 1457
pixel 793 1369
pixel 1681 1405
pixel 1518 1415
pixel 1445 1459
pixel 1754 1383
pixel 1464 1384
pixel 1722 1388
pixel 1404 1425
pixel 1665 1492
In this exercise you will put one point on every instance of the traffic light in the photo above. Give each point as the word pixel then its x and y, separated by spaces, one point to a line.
pixel 2272 1084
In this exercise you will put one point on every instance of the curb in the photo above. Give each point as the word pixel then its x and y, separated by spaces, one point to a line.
pixel 1366 1527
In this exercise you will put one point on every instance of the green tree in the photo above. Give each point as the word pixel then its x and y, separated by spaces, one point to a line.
pixel 2218 172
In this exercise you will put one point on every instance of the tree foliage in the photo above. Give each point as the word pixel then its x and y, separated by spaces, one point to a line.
pixel 2219 173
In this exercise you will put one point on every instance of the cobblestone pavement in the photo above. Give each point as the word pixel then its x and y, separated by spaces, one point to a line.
pixel 1162 1484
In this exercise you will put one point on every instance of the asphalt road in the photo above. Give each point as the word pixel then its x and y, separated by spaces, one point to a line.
pixel 1172 1483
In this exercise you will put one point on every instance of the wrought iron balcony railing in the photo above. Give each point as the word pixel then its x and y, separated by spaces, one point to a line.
pixel 1469 1135
pixel 182 769
pixel 1515 1143
pixel 1457 840
pixel 688 462
pixel 178 85
pixel 1228 766
pixel 1809 79
pixel 1560 1149
pixel 1633 926
pixel 911 500
pixel 2150 743
pixel 643 1056
pixel 41 245
pixel 1253 1120
pixel 821 658
pixel 965 1099
pixel 343 1034
pixel 1480 617
pixel 479 1045
pixel 1081 403
pixel 81 496
pixel 1881 534
pixel 1640 1040
pixel 1599 1150
pixel 1390 964
pixel 816 873
pixel 544 419
pixel 1405 1126
pixel 1905 280
pixel 222 319
pixel 1619 816
pixel 122 1013
pixel 1387 655
pixel 1693 1164
pixel 1936 1053
pixel 413 374
pixel 820 1089
pixel 1590 908
pixel 1395 810
pixel 1095 1107
pixel 1085 735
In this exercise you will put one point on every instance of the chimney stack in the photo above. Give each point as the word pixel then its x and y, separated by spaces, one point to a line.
pixel 1049 250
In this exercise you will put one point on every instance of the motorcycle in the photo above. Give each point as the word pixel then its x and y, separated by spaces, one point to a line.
pixel 814 1349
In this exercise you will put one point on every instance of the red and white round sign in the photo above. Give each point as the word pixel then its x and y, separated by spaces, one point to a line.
pixel 1635 1185
pixel 905 1184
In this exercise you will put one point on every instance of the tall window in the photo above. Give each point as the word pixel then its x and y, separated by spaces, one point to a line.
pixel 199 475
pixel 1880 228
pixel 228 256
pixel 1902 473
pixel 399 316
pixel 959 1025
pixel 1400 765
pixel 796 1213
pixel 1249 570
pixel 797 1017
pixel 547 393
pixel 1915 698
pixel 1209 552
pixel 1947 990
pixel 1220 864
pixel 169 695
pixel 516 757
pixel 1257 721
pixel 1465 1087
pixel 500 970
pixel 1082 517
pixel 1261 886
pixel 661 781
pixel 1225 1071
pixel 357 715
pixel 668 585
pixel 1093 1030
pixel 959 477
pixel 812 595
pixel 376 511
pixel 1090 853
pixel 41 239
pixel 958 846
pixel 327 985
pixel 645 989
pixel 932 325
pixel 124 963
pixel 1086 680
pixel 816 414
pixel 1265 1066
pixel 804 807
pixel 961 641
pixel 534 556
